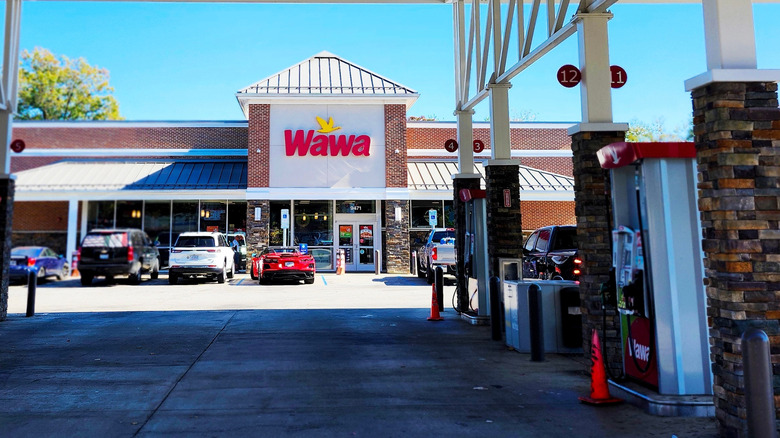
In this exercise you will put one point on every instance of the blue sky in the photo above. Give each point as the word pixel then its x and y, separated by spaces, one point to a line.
pixel 185 61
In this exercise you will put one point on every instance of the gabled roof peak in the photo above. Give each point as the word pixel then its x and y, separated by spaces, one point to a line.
pixel 326 74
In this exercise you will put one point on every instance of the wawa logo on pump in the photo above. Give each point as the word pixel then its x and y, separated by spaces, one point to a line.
pixel 325 143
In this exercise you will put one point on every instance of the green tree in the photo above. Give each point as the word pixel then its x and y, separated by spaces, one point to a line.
pixel 59 88
pixel 655 131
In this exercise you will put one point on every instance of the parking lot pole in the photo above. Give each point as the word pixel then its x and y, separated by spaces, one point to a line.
pixel 414 262
pixel 439 280
pixel 495 308
pixel 32 283
pixel 536 329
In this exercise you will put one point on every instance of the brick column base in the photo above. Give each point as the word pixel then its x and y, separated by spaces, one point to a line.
pixel 737 134
pixel 593 210
pixel 7 187
pixel 397 251
pixel 460 237
pixel 505 231
pixel 257 231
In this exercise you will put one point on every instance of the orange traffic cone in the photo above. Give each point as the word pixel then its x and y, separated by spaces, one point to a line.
pixel 434 307
pixel 599 388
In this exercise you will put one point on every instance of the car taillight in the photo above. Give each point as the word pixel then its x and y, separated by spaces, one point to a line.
pixel 576 272
pixel 434 255
pixel 130 254
pixel 30 262
pixel 211 250
pixel 577 261
pixel 78 255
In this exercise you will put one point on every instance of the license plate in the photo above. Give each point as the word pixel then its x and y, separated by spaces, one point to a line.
pixel 192 257
pixel 103 256
pixel 289 264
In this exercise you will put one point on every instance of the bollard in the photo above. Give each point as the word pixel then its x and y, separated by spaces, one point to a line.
pixel 377 263
pixel 759 397
pixel 536 330
pixel 414 262
pixel 32 283
pixel 438 280
pixel 495 318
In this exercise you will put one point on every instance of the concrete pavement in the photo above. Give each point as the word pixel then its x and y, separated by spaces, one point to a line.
pixel 340 367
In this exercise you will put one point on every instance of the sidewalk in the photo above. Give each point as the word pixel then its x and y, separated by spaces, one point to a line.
pixel 378 372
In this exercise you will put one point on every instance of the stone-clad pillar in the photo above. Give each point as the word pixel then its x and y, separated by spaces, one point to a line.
pixel 737 135
pixel 593 210
pixel 397 237
pixel 7 186
pixel 462 182
pixel 257 230
pixel 504 225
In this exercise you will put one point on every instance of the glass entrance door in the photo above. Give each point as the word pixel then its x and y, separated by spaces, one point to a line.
pixel 357 241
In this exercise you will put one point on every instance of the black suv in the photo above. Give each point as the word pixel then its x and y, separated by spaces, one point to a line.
pixel 550 253
pixel 107 253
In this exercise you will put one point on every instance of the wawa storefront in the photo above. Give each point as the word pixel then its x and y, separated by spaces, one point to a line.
pixel 326 157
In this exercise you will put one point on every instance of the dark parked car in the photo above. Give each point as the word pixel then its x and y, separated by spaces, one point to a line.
pixel 550 253
pixel 108 253
pixel 45 262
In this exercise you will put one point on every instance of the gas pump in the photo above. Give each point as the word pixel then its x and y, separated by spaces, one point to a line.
pixel 475 252
pixel 656 254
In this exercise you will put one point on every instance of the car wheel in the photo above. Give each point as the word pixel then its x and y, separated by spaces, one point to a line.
pixel 262 281
pixel 232 271
pixel 252 272
pixel 64 273
pixel 135 278
pixel 221 276
pixel 429 276
pixel 155 272
pixel 173 278
pixel 308 280
pixel 420 271
pixel 86 279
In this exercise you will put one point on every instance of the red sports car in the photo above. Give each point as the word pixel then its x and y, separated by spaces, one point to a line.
pixel 282 263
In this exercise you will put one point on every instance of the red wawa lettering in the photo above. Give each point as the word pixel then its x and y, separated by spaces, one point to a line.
pixel 302 143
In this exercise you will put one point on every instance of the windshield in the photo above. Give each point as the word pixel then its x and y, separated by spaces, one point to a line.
pixel 195 242
pixel 438 235
pixel 105 240
pixel 25 252
pixel 565 238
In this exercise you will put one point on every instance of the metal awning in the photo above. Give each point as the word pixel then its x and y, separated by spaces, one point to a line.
pixel 122 175
pixel 436 176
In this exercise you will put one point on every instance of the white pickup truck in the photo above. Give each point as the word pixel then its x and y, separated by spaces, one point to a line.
pixel 438 250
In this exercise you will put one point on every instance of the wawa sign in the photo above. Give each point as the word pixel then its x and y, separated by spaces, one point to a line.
pixel 325 142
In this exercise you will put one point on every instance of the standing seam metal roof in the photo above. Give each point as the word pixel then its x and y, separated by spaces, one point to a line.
pixel 326 73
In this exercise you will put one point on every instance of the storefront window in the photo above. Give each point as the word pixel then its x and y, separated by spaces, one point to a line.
pixel 236 216
pixel 449 214
pixel 128 214
pixel 420 210
pixel 100 214
pixel 313 223
pixel 213 216
pixel 355 207
pixel 275 231
pixel 157 221
pixel 185 218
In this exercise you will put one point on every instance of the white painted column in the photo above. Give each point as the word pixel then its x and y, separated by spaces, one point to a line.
pixel 500 144
pixel 595 88
pixel 84 217
pixel 10 79
pixel 73 216
pixel 730 42
pixel 730 38
pixel 465 143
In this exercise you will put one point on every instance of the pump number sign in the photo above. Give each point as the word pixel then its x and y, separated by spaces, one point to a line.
pixel 433 219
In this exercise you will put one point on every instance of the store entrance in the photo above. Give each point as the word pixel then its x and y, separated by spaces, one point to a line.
pixel 357 241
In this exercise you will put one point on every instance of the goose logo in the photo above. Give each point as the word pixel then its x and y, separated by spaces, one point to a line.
pixel 325 143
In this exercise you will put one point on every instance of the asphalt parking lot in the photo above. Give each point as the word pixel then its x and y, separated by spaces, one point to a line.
pixel 351 355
